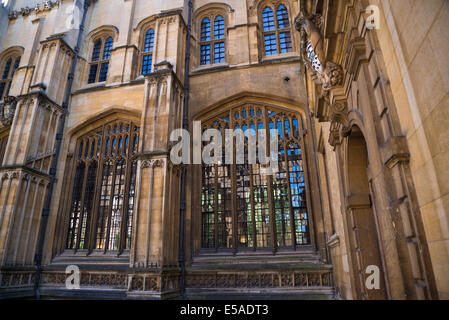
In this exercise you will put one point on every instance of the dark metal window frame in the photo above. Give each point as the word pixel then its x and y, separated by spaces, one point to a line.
pixel 277 31
pixel 85 231
pixel 262 197
pixel 212 42
pixel 101 58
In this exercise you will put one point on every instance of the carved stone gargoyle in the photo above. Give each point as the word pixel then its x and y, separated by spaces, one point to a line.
pixel 326 73
pixel 329 76
pixel 308 26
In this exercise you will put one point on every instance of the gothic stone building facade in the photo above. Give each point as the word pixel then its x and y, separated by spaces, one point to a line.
pixel 90 92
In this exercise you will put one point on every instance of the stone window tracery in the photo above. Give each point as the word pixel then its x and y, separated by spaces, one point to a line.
pixel 99 62
pixel 241 207
pixel 276 30
pixel 103 193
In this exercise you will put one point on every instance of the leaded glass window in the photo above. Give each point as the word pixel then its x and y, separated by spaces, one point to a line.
pixel 276 30
pixel 103 193
pixel 212 40
pixel 7 71
pixel 99 63
pixel 147 58
pixel 243 208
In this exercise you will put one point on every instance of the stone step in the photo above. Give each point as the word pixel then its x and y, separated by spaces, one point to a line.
pixel 292 275
pixel 258 295
pixel 226 258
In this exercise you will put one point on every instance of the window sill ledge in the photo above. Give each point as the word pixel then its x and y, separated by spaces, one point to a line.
pixel 279 57
pixel 210 67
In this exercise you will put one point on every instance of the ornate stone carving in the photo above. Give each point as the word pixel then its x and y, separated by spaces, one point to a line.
pixel 25 11
pixel 151 163
pixel 258 280
pixel 39 7
pixel 332 76
pixel 327 74
pixel 7 110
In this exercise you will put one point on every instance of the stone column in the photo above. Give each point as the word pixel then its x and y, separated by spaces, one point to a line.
pixel 25 176
pixel 157 187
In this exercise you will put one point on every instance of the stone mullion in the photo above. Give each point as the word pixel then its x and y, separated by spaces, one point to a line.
pixel 216 207
pixel 290 204
pixel 234 204
pixel 64 204
pixel 270 183
pixel 83 194
pixel 97 193
pixel 253 206
pixel 109 210
pixel 128 173
pixel 73 168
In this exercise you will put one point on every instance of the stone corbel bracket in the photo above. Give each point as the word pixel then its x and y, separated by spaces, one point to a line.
pixel 338 115
pixel 395 151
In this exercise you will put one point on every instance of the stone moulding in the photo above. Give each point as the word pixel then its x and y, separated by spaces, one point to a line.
pixel 40 7
pixel 168 281
pixel 259 280
pixel 154 282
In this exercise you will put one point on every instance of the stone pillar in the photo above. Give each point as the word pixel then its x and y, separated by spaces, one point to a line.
pixel 25 176
pixel 158 188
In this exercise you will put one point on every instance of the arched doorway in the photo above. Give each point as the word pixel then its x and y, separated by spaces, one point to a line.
pixel 364 236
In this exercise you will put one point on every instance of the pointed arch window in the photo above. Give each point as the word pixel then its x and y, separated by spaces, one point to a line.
pixel 147 58
pixel 243 208
pixel 212 40
pixel 103 193
pixel 7 69
pixel 99 62
pixel 276 30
